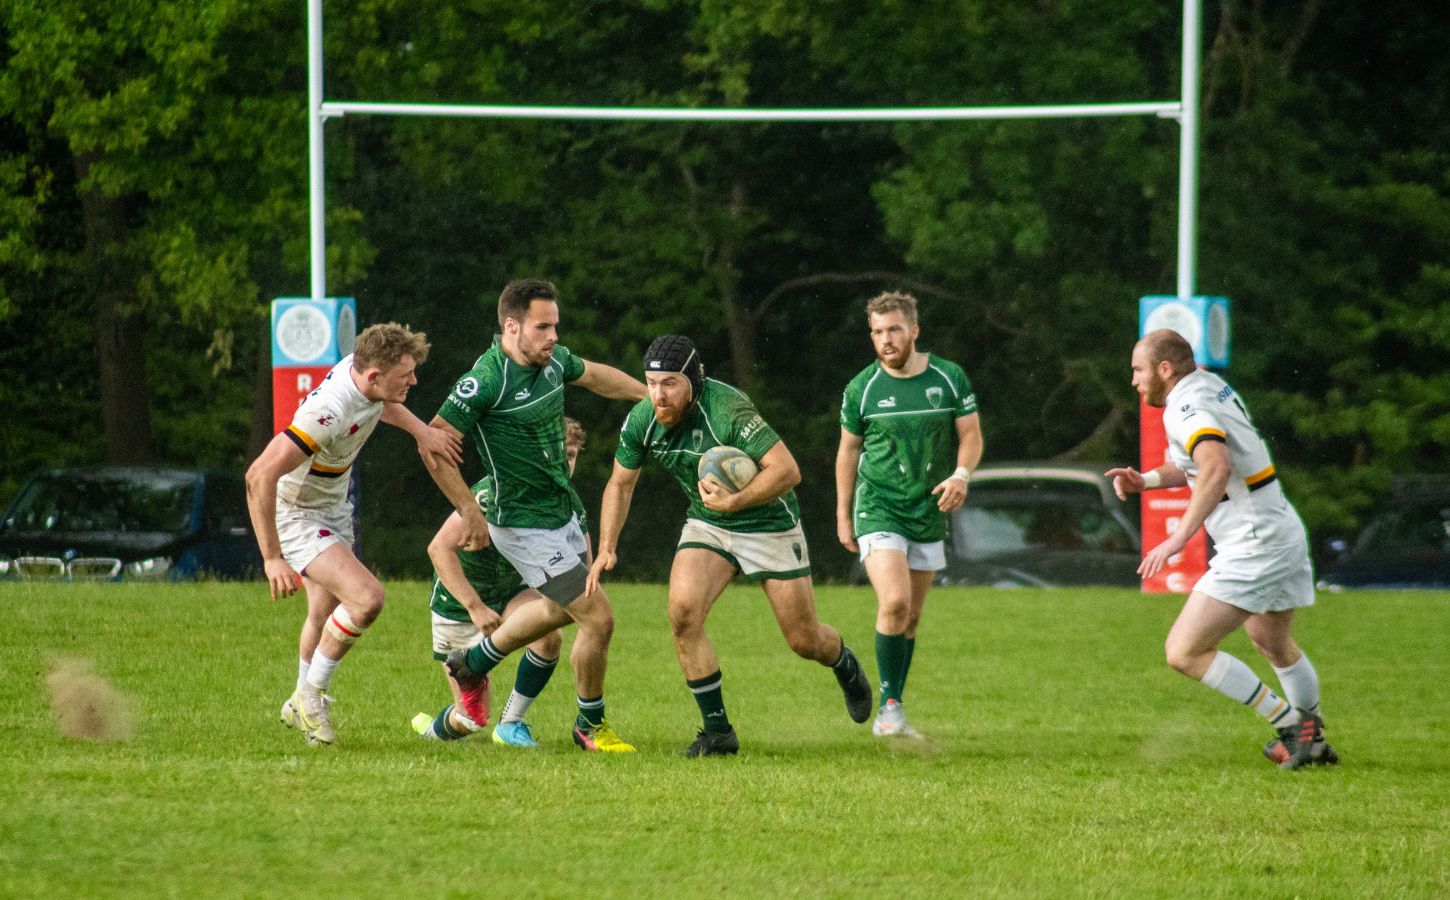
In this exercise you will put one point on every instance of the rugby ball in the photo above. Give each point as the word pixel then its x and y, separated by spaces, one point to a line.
pixel 727 468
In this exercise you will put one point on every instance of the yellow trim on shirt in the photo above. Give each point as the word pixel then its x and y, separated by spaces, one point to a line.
pixel 1258 477
pixel 306 438
pixel 1199 435
pixel 331 470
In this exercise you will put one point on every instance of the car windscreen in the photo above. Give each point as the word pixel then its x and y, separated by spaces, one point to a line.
pixel 1409 528
pixel 130 502
pixel 1017 523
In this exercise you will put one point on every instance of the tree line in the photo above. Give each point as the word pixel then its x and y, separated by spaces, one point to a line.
pixel 153 201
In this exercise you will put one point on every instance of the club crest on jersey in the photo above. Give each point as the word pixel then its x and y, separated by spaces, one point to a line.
pixel 466 388
pixel 551 376
pixel 888 403
pixel 326 419
pixel 353 429
pixel 933 396
pixel 698 437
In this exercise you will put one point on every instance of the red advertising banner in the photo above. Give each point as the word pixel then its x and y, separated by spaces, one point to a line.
pixel 290 386
pixel 1161 511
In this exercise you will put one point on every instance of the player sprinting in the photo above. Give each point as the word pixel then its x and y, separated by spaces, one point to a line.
pixel 297 499
pixel 755 532
pixel 895 482
pixel 473 592
pixel 512 404
pixel 1260 573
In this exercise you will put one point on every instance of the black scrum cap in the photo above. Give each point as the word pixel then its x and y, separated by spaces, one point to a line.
pixel 676 353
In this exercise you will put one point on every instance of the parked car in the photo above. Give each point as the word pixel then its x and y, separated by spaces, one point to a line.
pixel 1405 545
pixel 1040 524
pixel 128 523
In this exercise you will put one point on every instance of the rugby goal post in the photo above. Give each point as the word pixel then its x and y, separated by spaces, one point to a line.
pixel 1184 111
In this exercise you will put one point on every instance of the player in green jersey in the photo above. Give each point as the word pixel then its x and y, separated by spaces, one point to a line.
pixel 893 487
pixel 512 404
pixel 473 592
pixel 755 532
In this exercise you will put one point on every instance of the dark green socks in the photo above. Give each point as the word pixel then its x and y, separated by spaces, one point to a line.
pixel 711 701
pixel 892 653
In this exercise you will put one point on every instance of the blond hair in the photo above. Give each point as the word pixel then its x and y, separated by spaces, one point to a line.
pixel 574 432
pixel 384 345
pixel 892 301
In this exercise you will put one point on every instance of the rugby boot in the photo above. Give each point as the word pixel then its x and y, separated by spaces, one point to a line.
pixel 854 684
pixel 514 734
pixel 1304 743
pixel 475 702
pixel 312 718
pixel 713 743
pixel 458 670
pixel 600 739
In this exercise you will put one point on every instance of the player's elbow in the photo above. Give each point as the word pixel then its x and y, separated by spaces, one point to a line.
pixel 439 549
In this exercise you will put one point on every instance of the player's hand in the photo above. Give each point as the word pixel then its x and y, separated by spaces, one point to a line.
pixel 475 531
pixel 440 448
pixel 953 494
pixel 1159 556
pixel 484 619
pixel 716 498
pixel 846 534
pixel 604 562
pixel 1126 480
pixel 282 581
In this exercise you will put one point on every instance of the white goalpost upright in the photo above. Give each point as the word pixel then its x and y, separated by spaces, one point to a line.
pixel 1185 112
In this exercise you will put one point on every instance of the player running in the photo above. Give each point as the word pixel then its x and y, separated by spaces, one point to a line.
pixel 898 419
pixel 473 592
pixel 512 404
pixel 297 498
pixel 755 532
pixel 1260 572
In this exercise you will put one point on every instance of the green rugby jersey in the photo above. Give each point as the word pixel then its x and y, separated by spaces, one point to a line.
pixel 489 571
pixel 723 417
pixel 908 426
pixel 515 415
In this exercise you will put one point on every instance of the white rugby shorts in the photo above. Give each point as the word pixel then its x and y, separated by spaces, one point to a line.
pixel 780 555
pixel 449 636
pixel 1272 580
pixel 930 557
pixel 541 553
pixel 305 533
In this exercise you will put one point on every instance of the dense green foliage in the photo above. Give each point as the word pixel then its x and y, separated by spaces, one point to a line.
pixel 153 201
pixel 1066 760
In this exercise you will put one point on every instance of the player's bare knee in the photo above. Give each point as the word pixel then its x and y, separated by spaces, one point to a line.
pixel 1179 656
pixel 367 605
pixel 549 646
pixel 803 642
pixel 686 619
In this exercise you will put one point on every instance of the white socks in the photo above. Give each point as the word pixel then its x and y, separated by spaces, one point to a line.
pixel 1301 684
pixel 319 674
pixel 1231 677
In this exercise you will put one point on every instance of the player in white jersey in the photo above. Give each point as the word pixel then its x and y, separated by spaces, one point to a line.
pixel 297 497
pixel 1260 572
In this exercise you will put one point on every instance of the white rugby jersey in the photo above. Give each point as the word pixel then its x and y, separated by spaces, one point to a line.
pixel 1254 513
pixel 330 426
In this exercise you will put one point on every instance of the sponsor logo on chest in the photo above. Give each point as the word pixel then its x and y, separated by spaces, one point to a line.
pixel 888 403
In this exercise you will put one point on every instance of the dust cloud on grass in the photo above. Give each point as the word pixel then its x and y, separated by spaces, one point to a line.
pixel 86 705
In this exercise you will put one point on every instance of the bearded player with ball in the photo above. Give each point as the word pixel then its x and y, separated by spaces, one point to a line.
pixel 698 428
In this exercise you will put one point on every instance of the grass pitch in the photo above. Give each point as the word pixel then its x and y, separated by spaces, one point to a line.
pixel 1065 759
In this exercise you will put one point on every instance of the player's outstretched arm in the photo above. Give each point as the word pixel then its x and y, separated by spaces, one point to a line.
pixel 607 381
pixel 778 474
pixel 613 511
pixel 280 457
pixel 450 481
pixel 1128 480
pixel 443 551
pixel 1214 468
pixel 437 447
pixel 848 460
pixel 952 492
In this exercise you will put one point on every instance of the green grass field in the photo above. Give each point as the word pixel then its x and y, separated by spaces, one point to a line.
pixel 1066 760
